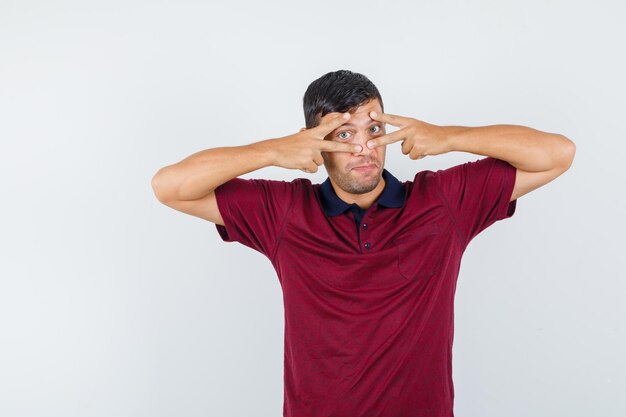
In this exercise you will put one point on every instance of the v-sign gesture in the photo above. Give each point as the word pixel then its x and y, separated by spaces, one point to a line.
pixel 419 138
pixel 303 150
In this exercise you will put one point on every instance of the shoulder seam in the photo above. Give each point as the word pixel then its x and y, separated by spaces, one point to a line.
pixel 281 231
pixel 452 216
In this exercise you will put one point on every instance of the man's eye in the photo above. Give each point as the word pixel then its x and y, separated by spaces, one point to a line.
pixel 376 126
pixel 342 137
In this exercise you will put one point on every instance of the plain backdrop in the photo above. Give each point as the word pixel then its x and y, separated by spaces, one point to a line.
pixel 112 304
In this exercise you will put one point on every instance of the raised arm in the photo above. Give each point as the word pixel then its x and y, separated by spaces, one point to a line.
pixel 188 186
pixel 538 156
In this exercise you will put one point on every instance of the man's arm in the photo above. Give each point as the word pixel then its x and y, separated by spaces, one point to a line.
pixel 189 185
pixel 539 156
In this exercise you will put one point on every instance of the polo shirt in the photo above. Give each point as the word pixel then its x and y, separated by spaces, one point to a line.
pixel 369 313
pixel 392 196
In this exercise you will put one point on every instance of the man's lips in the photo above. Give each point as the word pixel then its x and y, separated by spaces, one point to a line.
pixel 364 167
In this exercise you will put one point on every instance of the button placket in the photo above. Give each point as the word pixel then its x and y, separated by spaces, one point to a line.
pixel 367 244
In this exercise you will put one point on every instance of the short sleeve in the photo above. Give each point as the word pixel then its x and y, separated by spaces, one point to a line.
pixel 478 193
pixel 254 211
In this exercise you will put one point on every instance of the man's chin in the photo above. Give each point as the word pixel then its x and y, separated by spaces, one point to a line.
pixel 367 181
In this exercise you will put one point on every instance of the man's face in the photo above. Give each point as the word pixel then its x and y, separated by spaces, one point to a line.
pixel 342 166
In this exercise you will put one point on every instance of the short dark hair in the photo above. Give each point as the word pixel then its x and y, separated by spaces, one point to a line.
pixel 337 91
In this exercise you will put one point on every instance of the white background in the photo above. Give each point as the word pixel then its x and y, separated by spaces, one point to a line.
pixel 112 304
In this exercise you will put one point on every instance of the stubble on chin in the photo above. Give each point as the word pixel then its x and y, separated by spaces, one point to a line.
pixel 349 183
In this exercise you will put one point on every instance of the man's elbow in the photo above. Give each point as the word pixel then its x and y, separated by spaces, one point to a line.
pixel 567 151
pixel 158 187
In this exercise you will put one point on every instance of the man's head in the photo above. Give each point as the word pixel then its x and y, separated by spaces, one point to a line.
pixel 346 91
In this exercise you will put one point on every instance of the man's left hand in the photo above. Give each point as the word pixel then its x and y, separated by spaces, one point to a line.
pixel 419 138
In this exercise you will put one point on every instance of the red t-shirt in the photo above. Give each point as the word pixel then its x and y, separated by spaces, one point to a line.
pixel 369 311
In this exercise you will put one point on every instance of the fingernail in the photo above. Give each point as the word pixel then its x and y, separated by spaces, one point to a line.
pixel 346 115
pixel 370 144
pixel 358 148
pixel 373 114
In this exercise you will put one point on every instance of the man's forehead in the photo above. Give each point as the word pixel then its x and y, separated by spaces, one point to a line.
pixel 361 116
pixel 368 107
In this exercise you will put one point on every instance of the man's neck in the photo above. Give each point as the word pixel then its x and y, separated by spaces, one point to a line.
pixel 362 200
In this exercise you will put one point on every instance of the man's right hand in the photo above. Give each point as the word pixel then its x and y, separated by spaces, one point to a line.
pixel 303 150
pixel 189 185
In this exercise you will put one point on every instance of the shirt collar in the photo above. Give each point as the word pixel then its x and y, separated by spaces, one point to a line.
pixel 392 196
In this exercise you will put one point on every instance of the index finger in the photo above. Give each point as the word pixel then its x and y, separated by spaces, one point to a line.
pixel 392 119
pixel 331 121
pixel 396 136
pixel 332 146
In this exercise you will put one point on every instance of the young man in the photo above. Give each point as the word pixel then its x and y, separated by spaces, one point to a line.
pixel 367 264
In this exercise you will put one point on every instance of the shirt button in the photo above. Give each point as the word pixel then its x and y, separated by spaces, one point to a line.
pixel 364 225
pixel 367 245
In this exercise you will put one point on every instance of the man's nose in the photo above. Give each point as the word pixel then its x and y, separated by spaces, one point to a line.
pixel 361 139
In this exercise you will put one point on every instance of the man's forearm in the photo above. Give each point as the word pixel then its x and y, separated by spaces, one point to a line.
pixel 523 147
pixel 197 175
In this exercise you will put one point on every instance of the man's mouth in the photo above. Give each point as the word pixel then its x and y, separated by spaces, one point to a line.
pixel 366 167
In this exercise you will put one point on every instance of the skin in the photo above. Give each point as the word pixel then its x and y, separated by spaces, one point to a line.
pixel 351 185
pixel 342 143
pixel 539 156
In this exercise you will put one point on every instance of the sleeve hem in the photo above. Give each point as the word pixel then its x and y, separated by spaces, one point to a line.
pixel 508 209
pixel 227 232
